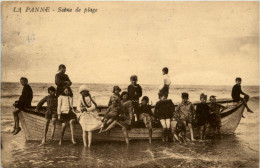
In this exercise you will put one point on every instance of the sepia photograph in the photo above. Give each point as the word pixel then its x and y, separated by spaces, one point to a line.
pixel 142 84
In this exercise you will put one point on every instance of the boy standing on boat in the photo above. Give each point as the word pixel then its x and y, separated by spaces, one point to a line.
pixel 134 92
pixel 215 118
pixel 62 80
pixel 24 102
pixel 186 112
pixel 236 91
pixel 202 115
pixel 51 113
pixel 165 86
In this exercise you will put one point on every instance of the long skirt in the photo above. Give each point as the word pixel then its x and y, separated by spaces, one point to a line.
pixel 90 121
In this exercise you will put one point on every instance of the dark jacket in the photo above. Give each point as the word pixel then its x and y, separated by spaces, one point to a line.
pixel 52 103
pixel 25 99
pixel 236 91
pixel 202 114
pixel 164 109
pixel 60 80
pixel 135 89
pixel 145 109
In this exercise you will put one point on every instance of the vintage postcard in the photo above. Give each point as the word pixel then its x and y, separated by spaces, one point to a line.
pixel 130 84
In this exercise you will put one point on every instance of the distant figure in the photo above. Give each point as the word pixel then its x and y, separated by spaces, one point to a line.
pixel 51 112
pixel 146 115
pixel 24 102
pixel 186 112
pixel 61 80
pixel 215 118
pixel 66 112
pixel 116 95
pixel 112 113
pixel 202 115
pixel 164 111
pixel 135 92
pixel 236 91
pixel 165 86
pixel 88 118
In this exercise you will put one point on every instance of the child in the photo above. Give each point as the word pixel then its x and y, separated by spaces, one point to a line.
pixel 66 112
pixel 236 91
pixel 24 102
pixel 51 113
pixel 180 131
pixel 202 115
pixel 62 80
pixel 116 95
pixel 186 112
pixel 215 118
pixel 112 113
pixel 146 116
pixel 134 92
pixel 164 111
pixel 89 119
pixel 166 82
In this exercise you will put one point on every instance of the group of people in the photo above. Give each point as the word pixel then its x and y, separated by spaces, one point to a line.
pixel 124 110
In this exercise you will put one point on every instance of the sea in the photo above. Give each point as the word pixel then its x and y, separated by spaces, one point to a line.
pixel 240 149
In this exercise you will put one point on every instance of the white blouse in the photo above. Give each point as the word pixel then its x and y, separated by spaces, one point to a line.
pixel 166 81
pixel 81 104
pixel 64 104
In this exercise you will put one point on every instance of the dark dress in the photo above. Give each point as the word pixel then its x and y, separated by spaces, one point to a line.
pixel 26 98
pixel 202 114
pixel 164 109
pixel 236 91
pixel 126 114
pixel 52 103
pixel 60 80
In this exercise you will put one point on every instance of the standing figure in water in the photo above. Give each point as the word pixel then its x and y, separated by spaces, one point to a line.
pixel 164 111
pixel 24 102
pixel 51 112
pixel 186 112
pixel 61 80
pixel 236 91
pixel 135 92
pixel 66 113
pixel 165 86
pixel 202 116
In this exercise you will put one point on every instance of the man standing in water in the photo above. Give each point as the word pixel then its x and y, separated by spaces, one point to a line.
pixel 165 86
pixel 24 102
pixel 61 80
pixel 236 91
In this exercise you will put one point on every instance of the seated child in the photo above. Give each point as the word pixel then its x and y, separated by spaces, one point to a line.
pixel 146 115
pixel 215 118
pixel 24 102
pixel 116 95
pixel 111 114
pixel 51 113
pixel 202 115
pixel 164 111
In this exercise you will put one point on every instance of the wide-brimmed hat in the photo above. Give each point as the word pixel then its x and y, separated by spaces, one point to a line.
pixel 83 88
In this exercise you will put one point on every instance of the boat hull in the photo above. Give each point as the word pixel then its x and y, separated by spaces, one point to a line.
pixel 33 126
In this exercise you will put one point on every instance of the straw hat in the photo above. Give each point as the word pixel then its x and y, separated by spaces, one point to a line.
pixel 83 88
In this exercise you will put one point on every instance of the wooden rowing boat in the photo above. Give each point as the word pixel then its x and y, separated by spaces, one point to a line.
pixel 33 125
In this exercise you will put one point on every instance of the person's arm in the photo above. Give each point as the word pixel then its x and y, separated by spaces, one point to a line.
pixel 68 81
pixel 39 105
pixel 59 107
pixel 172 109
pixel 110 101
pixel 140 91
pixel 71 104
pixel 131 110
pixel 240 90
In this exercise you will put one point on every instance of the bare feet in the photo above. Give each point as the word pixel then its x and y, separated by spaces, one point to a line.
pixel 60 142
pixel 73 141
pixel 43 141
pixel 250 111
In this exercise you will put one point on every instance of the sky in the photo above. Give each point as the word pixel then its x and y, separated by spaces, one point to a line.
pixel 202 43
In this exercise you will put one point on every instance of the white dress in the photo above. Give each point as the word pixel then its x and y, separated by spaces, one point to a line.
pixel 88 116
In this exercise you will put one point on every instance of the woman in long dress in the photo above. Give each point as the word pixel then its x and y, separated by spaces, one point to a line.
pixel 88 116
pixel 126 116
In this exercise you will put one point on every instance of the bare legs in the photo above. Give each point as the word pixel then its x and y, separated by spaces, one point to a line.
pixel 72 130
pixel 84 136
pixel 17 129
pixel 166 123
pixel 150 130
pixel 63 128
pixel 45 130
pixel 202 132
pixel 53 128
pixel 191 131
pixel 125 132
